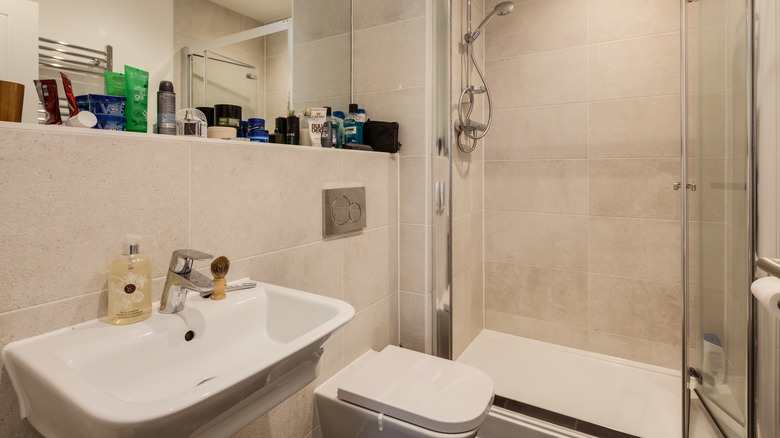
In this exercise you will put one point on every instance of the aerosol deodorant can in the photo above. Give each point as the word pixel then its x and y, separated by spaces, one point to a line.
pixel 166 109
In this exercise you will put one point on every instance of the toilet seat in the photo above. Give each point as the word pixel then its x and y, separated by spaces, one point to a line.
pixel 428 391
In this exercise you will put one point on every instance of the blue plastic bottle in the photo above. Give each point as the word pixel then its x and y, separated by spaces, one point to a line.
pixel 350 125
pixel 337 129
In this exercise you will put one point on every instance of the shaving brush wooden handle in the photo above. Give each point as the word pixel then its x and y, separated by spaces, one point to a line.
pixel 219 269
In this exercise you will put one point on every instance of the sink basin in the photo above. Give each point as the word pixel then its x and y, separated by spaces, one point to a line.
pixel 245 355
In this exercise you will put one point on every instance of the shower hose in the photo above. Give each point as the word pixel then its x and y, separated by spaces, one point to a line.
pixel 473 131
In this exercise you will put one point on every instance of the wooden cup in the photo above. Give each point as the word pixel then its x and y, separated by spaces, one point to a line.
pixel 11 101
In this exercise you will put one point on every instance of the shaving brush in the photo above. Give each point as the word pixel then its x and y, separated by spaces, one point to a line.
pixel 219 269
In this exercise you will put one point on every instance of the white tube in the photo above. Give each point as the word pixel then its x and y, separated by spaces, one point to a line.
pixel 315 125
pixel 83 119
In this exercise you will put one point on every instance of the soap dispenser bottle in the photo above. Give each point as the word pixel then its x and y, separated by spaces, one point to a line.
pixel 130 285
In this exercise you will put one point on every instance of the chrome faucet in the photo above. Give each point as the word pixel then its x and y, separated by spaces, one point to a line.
pixel 181 279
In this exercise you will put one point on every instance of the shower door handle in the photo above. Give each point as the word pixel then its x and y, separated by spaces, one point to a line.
pixel 690 186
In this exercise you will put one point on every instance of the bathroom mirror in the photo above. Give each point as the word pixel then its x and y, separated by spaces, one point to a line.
pixel 149 34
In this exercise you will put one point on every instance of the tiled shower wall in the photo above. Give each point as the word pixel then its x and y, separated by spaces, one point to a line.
pixel 467 186
pixel 70 195
pixel 581 226
pixel 322 36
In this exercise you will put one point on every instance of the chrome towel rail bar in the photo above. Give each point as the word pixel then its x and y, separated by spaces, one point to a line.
pixel 770 266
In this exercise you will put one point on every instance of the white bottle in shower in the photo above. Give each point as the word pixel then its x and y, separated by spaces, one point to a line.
pixel 713 360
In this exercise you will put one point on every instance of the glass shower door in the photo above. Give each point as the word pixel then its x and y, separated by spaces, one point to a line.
pixel 719 225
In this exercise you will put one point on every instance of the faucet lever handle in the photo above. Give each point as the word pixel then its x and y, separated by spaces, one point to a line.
pixel 181 260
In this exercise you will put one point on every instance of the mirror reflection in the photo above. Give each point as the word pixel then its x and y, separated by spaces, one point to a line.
pixel 256 73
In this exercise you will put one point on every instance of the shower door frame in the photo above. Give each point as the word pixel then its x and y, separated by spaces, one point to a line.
pixel 689 374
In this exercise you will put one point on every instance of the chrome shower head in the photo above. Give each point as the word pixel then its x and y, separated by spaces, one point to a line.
pixel 503 8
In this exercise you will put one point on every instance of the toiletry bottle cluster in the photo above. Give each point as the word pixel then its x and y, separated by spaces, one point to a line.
pixel 338 130
pixel 124 105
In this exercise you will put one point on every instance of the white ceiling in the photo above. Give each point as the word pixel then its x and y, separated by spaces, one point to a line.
pixel 265 11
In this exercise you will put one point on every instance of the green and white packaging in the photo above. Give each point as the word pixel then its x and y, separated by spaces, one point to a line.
pixel 137 93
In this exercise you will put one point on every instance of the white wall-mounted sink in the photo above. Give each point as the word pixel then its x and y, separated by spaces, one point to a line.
pixel 247 354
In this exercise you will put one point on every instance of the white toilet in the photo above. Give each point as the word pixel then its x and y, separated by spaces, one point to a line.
pixel 400 393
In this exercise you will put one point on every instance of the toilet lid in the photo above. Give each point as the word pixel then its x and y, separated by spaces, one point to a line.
pixel 428 391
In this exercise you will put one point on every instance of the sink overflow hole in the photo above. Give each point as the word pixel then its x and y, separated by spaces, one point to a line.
pixel 188 336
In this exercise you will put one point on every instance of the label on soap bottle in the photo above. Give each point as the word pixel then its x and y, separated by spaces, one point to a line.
pixel 126 294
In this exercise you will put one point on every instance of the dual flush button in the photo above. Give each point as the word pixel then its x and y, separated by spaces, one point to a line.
pixel 343 210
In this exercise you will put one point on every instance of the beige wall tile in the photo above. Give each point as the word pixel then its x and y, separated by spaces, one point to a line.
pixel 205 19
pixel 316 20
pixel 556 131
pixel 372 13
pixel 321 69
pixel 276 44
pixel 553 295
pixel 370 266
pixel 372 328
pixel 339 101
pixel 634 188
pixel 536 26
pixel 294 417
pixel 467 183
pixel 711 61
pixel 647 66
pixel 254 46
pixel 711 189
pixel 710 125
pixel 642 127
pixel 466 242
pixel 322 263
pixel 412 188
pixel 539 186
pixel 560 76
pixel 549 240
pixel 467 300
pixel 412 261
pixel 640 248
pixel 414 330
pixel 402 57
pixel 574 337
pixel 275 106
pixel 261 217
pixel 67 202
pixel 618 19
pixel 378 173
pixel 277 74
pixel 712 14
pixel 34 321
pixel 642 309
pixel 405 106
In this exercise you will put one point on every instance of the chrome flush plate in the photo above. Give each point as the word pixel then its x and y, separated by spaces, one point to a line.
pixel 343 210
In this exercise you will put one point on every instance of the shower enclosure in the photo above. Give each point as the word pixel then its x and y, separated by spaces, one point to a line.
pixel 609 208
pixel 719 213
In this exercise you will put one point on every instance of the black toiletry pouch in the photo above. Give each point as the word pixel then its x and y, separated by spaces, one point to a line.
pixel 382 136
